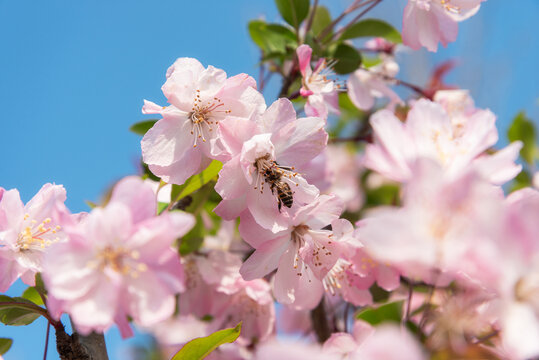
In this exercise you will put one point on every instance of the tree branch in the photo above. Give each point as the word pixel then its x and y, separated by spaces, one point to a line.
pixel 320 322
pixel 77 347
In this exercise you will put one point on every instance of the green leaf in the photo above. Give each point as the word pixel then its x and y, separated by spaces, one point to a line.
pixel 18 311
pixel 387 312
pixel 293 11
pixel 322 18
pixel 196 181
pixel 271 38
pixel 384 195
pixel 199 348
pixel 369 62
pixel 5 345
pixel 522 180
pixel 372 28
pixel 142 127
pixel 40 285
pixel 348 59
pixel 523 129
pixel 32 295
pixel 192 241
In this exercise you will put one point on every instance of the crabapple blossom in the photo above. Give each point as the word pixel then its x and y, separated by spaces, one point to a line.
pixel 261 171
pixel 321 92
pixel 118 262
pixel 28 231
pixel 428 22
pixel 214 287
pixel 303 253
pixel 468 312
pixel 251 303
pixel 429 132
pixel 444 227
pixel 519 284
pixel 336 171
pixel 365 85
pixel 203 275
pixel 355 272
pixel 369 343
pixel 289 350
pixel 183 142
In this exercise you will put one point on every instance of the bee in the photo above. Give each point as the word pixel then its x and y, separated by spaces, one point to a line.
pixel 284 194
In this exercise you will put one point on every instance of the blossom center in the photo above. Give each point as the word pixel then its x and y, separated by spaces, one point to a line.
pixel 320 77
pixel 37 236
pixel 201 116
pixel 120 260
pixel 337 277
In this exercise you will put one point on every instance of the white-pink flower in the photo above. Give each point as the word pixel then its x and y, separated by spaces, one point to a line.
pixel 292 350
pixel 261 176
pixel 366 85
pixel 321 91
pixel 186 139
pixel 456 143
pixel 28 231
pixel 303 253
pixel 118 262
pixel 444 226
pixel 356 271
pixel 428 22
pixel 251 303
pixel 518 285
pixel 387 342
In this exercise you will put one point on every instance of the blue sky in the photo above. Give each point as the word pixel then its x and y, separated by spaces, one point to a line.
pixel 73 75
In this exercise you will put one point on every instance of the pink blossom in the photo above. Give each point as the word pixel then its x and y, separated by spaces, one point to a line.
pixel 119 261
pixel 355 272
pixel 321 92
pixel 186 139
pixel 429 132
pixel 204 275
pixel 518 248
pixel 444 226
pixel 303 253
pixel 215 288
pixel 369 343
pixel 262 169
pixel 28 231
pixel 288 350
pixel 250 302
pixel 427 22
pixel 365 85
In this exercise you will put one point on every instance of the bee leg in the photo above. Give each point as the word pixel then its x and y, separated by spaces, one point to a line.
pixel 280 205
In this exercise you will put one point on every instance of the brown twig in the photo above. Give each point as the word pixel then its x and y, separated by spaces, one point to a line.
pixel 325 32
pixel 359 16
pixel 47 341
pixel 408 303
pixel 320 322
pixel 311 17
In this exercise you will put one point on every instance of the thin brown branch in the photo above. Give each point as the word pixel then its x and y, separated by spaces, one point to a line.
pixel 47 341
pixel 408 304
pixel 320 322
pixel 359 16
pixel 311 17
pixel 325 32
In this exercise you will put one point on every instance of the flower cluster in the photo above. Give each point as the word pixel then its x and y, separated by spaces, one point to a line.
pixel 289 218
